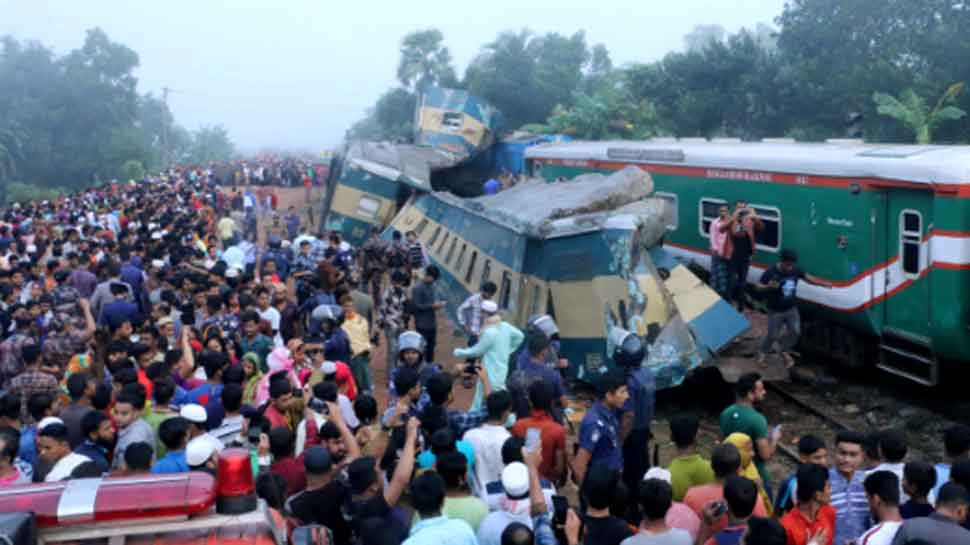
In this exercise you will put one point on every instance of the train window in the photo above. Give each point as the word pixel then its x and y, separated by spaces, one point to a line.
pixel 422 225
pixel 672 219
pixel 461 257
pixel 368 207
pixel 769 238
pixel 444 241
pixel 486 271
pixel 451 122
pixel 910 242
pixel 506 292
pixel 471 267
pixel 708 213
pixel 534 306
pixel 434 237
pixel 451 250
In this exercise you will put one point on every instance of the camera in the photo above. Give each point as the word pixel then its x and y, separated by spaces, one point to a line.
pixel 318 405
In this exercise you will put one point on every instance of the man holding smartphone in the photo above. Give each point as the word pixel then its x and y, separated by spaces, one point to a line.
pixel 739 248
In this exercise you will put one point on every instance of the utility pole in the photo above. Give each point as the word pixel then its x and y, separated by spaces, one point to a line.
pixel 165 91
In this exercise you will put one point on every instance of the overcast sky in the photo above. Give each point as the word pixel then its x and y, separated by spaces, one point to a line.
pixel 298 73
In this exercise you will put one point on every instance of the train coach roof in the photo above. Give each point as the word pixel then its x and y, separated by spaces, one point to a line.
pixel 405 163
pixel 911 163
pixel 592 201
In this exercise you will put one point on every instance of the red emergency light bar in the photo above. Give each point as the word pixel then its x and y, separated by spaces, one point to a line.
pixel 109 499
pixel 112 499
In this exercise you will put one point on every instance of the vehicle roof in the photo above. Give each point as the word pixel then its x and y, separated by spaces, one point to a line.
pixel 405 163
pixel 840 158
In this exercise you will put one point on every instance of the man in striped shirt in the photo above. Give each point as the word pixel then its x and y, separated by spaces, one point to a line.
pixel 848 491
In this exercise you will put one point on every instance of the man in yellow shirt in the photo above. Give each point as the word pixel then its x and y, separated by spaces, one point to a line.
pixel 358 332
pixel 227 231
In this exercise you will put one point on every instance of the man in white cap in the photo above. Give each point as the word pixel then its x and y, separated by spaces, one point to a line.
pixel 54 447
pixel 197 417
pixel 202 454
pixel 496 344
pixel 514 507
pixel 680 515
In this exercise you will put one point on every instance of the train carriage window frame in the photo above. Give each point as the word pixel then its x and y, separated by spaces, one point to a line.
pixel 471 267
pixel 422 225
pixel 368 207
pixel 675 213
pixel 910 240
pixel 434 237
pixel 452 122
pixel 505 293
pixel 461 257
pixel 768 214
pixel 703 220
pixel 451 250
pixel 486 272
pixel 444 242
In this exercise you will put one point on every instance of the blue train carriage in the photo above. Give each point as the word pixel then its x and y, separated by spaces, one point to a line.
pixel 375 180
pixel 455 121
pixel 588 255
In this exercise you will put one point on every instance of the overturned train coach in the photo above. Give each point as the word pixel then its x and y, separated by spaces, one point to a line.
pixel 589 253
pixel 371 181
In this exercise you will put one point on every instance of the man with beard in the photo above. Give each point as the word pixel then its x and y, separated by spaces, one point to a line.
pixel 99 438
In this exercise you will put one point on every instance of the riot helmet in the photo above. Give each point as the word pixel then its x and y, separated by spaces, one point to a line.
pixel 330 316
pixel 413 341
pixel 629 349
pixel 544 324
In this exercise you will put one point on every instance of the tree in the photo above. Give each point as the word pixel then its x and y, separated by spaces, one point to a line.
pixel 132 170
pixel 703 36
pixel 608 113
pixel 425 61
pixel 503 73
pixel 911 110
pixel 394 112
pixel 210 144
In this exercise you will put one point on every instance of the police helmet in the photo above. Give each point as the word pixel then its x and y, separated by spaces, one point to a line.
pixel 410 340
pixel 545 324
pixel 629 351
pixel 328 313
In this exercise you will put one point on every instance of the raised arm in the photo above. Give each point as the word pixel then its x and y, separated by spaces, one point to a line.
pixel 405 466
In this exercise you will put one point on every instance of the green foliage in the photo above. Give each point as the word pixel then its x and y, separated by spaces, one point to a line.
pixel 425 61
pixel 20 192
pixel 208 144
pixel 76 119
pixel 132 170
pixel 911 110
pixel 610 112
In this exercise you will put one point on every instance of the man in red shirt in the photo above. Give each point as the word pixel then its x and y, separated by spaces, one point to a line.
pixel 291 468
pixel 812 519
pixel 552 435
pixel 281 395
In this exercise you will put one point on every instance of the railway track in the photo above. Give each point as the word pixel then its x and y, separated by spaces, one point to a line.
pixel 833 424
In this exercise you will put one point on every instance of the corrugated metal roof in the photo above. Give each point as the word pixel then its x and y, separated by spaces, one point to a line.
pixel 911 163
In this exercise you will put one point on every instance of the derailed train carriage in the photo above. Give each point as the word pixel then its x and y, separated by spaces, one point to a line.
pixel 588 252
pixel 373 180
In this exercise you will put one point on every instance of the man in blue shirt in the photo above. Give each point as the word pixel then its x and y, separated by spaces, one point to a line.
pixel 532 366
pixel 174 434
pixel 119 310
pixel 599 433
pixel 99 437
pixel 433 528
pixel 848 489
pixel 956 444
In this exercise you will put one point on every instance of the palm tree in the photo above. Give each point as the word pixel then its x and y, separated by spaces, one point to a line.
pixel 911 110
pixel 425 61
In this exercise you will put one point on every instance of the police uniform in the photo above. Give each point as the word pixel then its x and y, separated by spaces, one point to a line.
pixel 599 433
pixel 636 458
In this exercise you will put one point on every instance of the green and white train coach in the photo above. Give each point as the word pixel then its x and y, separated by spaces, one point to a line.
pixel 889 225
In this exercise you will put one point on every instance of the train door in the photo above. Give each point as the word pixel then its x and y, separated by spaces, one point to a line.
pixel 905 287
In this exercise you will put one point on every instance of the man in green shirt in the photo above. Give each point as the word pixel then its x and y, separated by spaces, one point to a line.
pixel 252 340
pixel 688 468
pixel 742 417
pixel 163 391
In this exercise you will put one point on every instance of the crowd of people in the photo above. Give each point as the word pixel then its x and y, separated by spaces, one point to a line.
pixel 146 328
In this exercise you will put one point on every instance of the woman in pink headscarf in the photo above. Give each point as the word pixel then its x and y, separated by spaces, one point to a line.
pixel 278 360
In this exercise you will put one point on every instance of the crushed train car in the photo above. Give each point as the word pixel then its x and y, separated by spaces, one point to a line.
pixel 588 252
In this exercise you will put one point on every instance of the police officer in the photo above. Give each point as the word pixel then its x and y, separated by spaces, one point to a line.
pixel 328 318
pixel 411 347
pixel 599 433
pixel 638 409
pixel 538 360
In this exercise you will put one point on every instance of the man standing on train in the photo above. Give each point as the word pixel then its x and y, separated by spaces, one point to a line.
pixel 780 283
